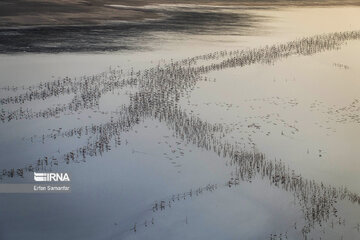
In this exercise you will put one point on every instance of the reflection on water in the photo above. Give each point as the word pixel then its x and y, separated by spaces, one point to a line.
pixel 150 157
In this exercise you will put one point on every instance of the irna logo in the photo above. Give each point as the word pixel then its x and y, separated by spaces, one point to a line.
pixel 51 177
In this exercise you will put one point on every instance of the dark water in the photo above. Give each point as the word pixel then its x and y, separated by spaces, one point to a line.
pixel 129 35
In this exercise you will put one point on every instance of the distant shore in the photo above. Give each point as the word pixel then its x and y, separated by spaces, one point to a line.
pixel 31 13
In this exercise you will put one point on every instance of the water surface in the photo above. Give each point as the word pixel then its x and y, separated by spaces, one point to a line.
pixel 211 123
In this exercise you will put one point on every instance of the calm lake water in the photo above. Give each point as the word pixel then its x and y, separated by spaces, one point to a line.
pixel 210 123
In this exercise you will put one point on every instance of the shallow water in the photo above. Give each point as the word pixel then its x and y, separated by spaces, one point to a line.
pixel 130 140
